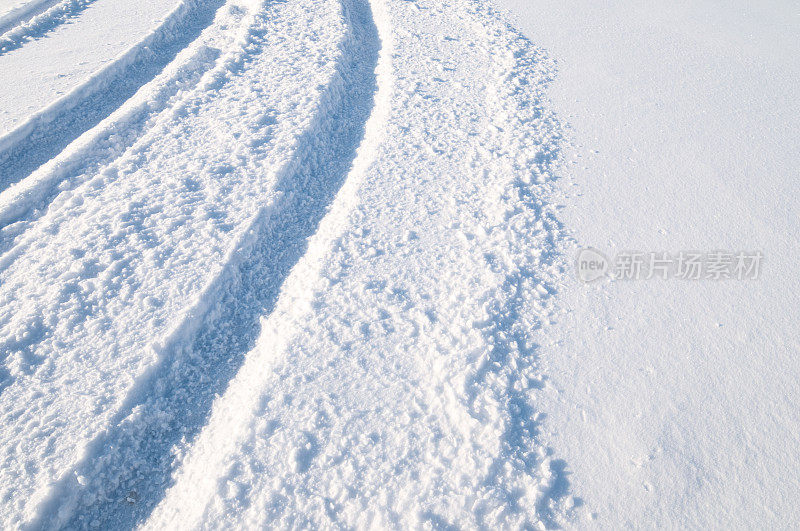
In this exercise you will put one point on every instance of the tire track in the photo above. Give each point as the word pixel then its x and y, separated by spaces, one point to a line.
pixel 395 386
pixel 113 263
pixel 195 68
pixel 23 14
pixel 48 132
pixel 130 465
pixel 36 20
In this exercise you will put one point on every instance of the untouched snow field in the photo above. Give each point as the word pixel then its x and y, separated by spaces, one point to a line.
pixel 309 263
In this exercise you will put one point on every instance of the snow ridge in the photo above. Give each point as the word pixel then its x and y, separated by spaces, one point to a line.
pixel 370 31
pixel 23 13
pixel 394 384
pixel 46 133
pixel 36 20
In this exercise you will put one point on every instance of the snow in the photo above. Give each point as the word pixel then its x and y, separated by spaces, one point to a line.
pixel 309 264
pixel 144 241
pixel 19 13
pixel 674 403
pixel 71 52
pixel 380 393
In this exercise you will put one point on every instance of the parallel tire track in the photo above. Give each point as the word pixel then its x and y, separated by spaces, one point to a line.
pixel 24 13
pixel 395 386
pixel 148 230
pixel 35 20
pixel 132 461
pixel 42 136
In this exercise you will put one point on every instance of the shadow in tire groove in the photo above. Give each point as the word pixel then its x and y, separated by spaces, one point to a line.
pixel 130 466
pixel 23 14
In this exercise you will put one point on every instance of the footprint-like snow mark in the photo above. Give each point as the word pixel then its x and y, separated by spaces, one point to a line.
pixel 506 377
pixel 35 20
pixel 127 469
pixel 49 131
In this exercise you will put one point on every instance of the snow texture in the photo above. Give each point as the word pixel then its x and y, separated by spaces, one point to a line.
pixel 301 263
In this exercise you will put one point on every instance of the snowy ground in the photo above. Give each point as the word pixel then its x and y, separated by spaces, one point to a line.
pixel 676 401
pixel 308 263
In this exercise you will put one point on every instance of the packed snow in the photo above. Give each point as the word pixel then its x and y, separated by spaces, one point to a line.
pixel 311 263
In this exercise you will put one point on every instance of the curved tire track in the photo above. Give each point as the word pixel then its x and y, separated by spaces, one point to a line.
pixel 386 390
pixel 35 20
pixel 23 14
pixel 49 131
pixel 171 403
